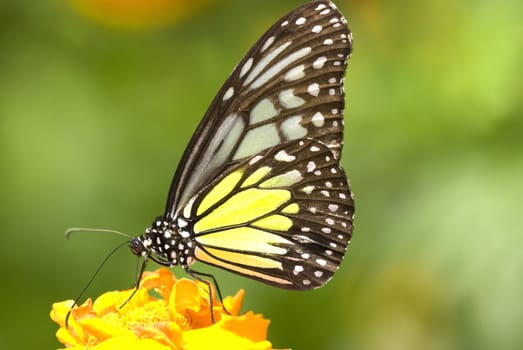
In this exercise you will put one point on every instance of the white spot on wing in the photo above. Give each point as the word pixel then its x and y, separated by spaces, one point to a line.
pixel 301 21
pixel 311 166
pixel 289 100
pixel 267 43
pixel 321 262
pixel 313 89
pixel 319 62
pixel 255 159
pixel 297 269
pixel 318 119
pixel 292 129
pixel 308 189
pixel 333 207
pixel 246 67
pixel 295 73
pixel 283 156
pixel 228 94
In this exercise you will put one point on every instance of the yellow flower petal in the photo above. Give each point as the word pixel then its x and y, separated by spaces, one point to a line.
pixel 102 330
pixel 166 333
pixel 214 337
pixel 65 337
pixel 130 343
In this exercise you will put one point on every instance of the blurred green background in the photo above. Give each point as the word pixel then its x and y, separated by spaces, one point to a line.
pixel 94 118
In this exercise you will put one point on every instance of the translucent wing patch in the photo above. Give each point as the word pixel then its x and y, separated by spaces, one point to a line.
pixel 288 86
pixel 283 216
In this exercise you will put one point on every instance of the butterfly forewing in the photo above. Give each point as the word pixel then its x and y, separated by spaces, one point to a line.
pixel 283 216
pixel 289 86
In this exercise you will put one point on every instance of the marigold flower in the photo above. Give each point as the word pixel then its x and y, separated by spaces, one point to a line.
pixel 177 316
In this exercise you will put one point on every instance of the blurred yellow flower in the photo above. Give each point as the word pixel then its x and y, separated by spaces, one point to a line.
pixel 180 318
pixel 135 14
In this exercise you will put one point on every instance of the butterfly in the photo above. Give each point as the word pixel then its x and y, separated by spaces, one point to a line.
pixel 260 190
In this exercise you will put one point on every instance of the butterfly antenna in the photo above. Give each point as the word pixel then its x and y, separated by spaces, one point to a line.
pixel 77 299
pixel 72 230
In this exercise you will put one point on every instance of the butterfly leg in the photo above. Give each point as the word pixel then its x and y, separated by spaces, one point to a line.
pixel 137 283
pixel 197 276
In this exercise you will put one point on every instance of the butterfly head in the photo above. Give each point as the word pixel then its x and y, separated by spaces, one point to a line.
pixel 164 242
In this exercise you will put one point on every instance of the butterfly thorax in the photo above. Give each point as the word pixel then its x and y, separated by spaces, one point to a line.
pixel 168 243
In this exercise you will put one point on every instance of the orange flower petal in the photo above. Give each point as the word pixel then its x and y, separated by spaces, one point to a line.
pixel 234 304
pixel 249 325
pixel 186 296
pixel 161 280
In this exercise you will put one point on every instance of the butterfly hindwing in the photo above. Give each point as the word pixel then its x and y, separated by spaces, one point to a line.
pixel 283 216
pixel 288 86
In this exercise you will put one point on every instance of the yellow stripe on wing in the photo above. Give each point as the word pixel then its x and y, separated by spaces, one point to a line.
pixel 203 256
pixel 245 259
pixel 246 239
pixel 256 176
pixel 222 188
pixel 242 207
pixel 293 208
pixel 274 222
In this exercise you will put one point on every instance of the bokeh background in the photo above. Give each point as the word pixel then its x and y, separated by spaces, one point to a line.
pixel 98 100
